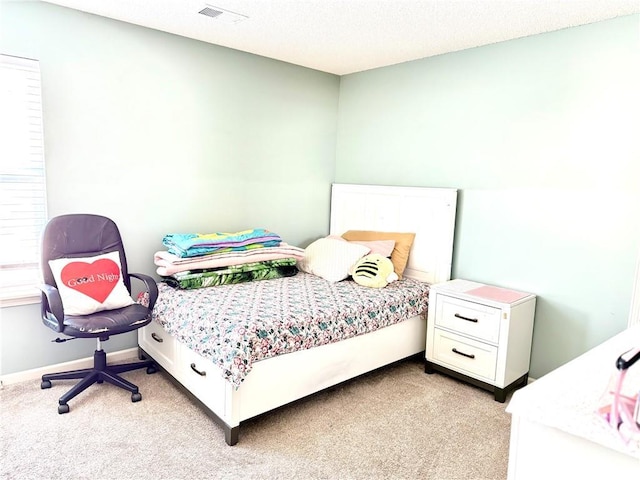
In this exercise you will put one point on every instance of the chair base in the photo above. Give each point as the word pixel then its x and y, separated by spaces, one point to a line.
pixel 101 372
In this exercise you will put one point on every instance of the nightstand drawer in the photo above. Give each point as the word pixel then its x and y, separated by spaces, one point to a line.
pixel 464 354
pixel 469 318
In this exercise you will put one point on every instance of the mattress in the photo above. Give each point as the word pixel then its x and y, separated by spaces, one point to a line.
pixel 237 325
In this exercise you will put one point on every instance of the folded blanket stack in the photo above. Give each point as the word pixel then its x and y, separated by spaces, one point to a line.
pixel 201 260
pixel 194 244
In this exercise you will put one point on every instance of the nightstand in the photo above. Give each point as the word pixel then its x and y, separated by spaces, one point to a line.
pixel 480 334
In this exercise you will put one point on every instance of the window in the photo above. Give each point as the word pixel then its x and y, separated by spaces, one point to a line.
pixel 22 180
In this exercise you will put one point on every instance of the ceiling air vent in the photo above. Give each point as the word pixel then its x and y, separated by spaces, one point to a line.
pixel 222 15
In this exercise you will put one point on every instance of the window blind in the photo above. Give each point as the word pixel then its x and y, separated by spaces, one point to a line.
pixel 22 176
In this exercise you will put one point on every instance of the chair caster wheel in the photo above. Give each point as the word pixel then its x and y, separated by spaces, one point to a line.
pixel 136 397
pixel 151 370
pixel 45 384
pixel 63 409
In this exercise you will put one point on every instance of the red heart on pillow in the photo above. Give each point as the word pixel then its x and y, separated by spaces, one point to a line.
pixel 95 280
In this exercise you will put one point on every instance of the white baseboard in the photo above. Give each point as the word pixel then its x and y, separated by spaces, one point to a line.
pixel 36 373
pixel 113 357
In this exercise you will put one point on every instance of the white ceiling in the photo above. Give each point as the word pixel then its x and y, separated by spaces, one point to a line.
pixel 346 36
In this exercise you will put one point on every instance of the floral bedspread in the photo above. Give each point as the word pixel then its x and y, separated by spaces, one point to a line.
pixel 239 324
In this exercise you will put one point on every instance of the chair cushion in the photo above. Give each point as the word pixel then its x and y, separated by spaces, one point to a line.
pixel 107 322
pixel 90 284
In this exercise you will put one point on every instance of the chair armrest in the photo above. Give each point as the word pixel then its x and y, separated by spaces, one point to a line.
pixel 52 310
pixel 151 285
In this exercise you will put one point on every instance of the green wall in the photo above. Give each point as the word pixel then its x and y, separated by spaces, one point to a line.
pixel 166 134
pixel 163 133
pixel 541 136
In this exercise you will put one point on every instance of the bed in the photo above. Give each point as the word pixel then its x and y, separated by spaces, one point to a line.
pixel 238 390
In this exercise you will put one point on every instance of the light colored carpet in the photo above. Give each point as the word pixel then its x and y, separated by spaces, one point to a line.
pixel 395 423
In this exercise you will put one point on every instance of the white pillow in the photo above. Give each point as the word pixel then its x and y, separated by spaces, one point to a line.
pixel 91 284
pixel 331 259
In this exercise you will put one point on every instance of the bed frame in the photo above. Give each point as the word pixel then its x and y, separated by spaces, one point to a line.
pixel 429 212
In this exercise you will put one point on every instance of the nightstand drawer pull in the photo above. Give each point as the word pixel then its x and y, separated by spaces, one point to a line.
pixel 201 373
pixel 155 336
pixel 468 355
pixel 474 320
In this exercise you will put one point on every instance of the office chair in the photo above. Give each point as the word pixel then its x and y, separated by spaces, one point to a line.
pixel 81 252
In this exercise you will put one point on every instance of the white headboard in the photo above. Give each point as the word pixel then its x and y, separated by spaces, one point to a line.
pixel 430 213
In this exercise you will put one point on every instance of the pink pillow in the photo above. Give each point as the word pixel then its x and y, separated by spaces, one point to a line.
pixel 382 247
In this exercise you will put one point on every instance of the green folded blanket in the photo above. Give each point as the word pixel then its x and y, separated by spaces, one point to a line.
pixel 247 272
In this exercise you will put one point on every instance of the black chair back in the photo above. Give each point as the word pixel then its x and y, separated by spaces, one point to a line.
pixel 81 235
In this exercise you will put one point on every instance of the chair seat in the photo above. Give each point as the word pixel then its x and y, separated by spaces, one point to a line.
pixel 107 322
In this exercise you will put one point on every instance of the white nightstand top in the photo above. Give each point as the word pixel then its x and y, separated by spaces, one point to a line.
pixel 480 291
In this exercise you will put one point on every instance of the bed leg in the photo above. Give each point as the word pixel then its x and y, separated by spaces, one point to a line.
pixel 231 435
pixel 428 367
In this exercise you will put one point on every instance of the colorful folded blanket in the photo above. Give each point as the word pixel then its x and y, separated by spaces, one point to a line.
pixel 194 244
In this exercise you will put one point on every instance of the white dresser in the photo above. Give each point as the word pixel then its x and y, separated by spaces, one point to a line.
pixel 481 334
pixel 555 430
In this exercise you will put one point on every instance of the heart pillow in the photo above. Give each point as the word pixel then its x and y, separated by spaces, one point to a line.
pixel 90 284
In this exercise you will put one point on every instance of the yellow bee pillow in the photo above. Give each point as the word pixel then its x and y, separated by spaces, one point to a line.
pixel 401 250
pixel 374 271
